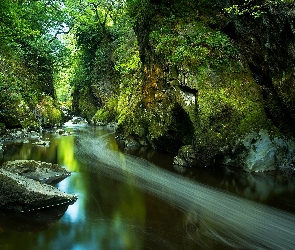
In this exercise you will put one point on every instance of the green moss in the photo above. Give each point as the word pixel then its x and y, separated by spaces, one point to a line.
pixel 101 116
pixel 191 44
pixel 48 113
pixel 22 100
pixel 229 107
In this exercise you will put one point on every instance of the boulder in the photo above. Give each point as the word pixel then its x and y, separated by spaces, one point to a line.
pixel 24 185
pixel 259 152
pixel 40 171
pixel 22 194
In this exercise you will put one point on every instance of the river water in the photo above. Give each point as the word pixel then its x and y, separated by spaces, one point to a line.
pixel 137 200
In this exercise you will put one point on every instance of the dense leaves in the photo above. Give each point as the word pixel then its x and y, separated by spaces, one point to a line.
pixel 29 54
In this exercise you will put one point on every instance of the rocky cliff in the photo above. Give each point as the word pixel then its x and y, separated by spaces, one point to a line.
pixel 218 87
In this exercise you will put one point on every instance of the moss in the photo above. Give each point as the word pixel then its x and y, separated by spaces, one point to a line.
pixel 48 114
pixel 229 105
pixel 101 116
pixel 87 106
pixel 2 128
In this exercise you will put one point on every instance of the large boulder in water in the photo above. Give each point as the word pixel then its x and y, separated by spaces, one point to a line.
pixel 21 187
pixel 41 171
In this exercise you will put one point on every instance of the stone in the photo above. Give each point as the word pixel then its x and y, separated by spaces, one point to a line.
pixel 42 143
pixel 258 152
pixel 78 120
pixel 186 156
pixel 22 194
pixel 40 171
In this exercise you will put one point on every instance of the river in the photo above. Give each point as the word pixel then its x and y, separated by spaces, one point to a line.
pixel 138 200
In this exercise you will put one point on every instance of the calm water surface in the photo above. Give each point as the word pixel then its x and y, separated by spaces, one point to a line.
pixel 126 202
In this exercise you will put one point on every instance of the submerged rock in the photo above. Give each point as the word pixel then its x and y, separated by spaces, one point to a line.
pixel 22 194
pixel 41 171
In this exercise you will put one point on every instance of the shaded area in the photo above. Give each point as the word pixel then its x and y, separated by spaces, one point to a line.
pixel 32 222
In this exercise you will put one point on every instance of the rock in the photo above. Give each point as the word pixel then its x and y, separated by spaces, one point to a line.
pixel 131 143
pixel 258 152
pixel 78 120
pixel 1 150
pixel 186 156
pixel 41 171
pixel 22 194
pixel 60 131
pixel 42 143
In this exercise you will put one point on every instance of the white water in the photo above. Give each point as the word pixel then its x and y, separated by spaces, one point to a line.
pixel 234 221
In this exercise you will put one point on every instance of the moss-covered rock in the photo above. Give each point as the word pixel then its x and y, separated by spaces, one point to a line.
pixel 267 44
pixel 107 113
pixel 47 113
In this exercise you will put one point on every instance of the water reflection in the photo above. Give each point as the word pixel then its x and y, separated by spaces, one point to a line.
pixel 31 221
pixel 228 219
pixel 128 203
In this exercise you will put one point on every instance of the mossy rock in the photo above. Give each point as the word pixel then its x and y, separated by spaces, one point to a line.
pixel 47 112
pixel 103 116
pixel 230 106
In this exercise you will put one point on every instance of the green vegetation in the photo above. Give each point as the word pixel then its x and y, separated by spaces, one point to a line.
pixel 255 8
pixel 165 71
pixel 29 53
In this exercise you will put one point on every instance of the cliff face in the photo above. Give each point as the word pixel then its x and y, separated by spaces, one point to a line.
pixel 218 91
pixel 267 43
pixel 195 83
pixel 219 88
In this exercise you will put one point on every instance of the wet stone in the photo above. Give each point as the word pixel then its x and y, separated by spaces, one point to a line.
pixel 40 171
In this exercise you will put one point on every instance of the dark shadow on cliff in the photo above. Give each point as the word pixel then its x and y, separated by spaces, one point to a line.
pixel 180 132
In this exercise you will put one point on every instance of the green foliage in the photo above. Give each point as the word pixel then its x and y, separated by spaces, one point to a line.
pixel 255 8
pixel 47 112
pixel 29 53
pixel 108 113
pixel 127 54
pixel 14 24
pixel 191 45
